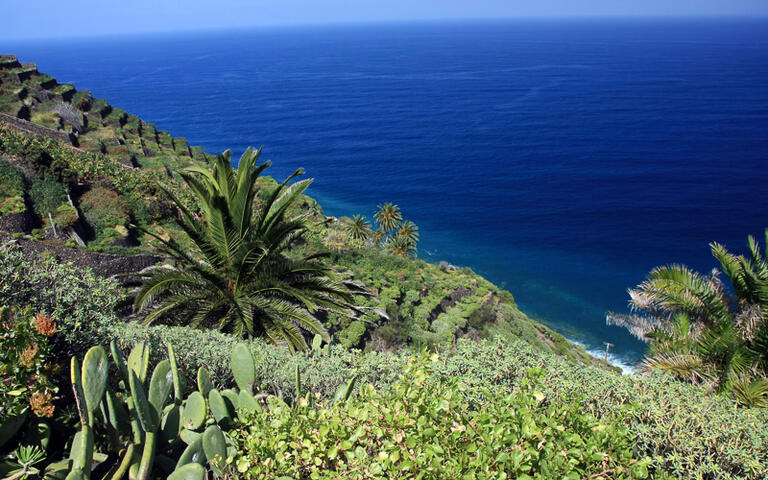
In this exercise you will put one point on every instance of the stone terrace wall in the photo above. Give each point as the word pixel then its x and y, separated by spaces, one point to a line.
pixel 102 264
pixel 36 129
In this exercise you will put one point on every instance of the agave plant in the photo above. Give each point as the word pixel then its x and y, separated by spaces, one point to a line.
pixel 703 332
pixel 240 280
pixel 388 216
pixel 359 228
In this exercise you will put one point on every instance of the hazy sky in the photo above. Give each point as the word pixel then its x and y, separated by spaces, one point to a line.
pixel 47 18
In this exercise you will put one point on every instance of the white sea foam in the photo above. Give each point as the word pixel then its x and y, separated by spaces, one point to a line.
pixel 613 359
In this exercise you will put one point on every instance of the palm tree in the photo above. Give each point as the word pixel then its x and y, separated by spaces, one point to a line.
pixel 409 230
pixel 401 245
pixel 240 279
pixel 703 332
pixel 359 229
pixel 377 238
pixel 388 217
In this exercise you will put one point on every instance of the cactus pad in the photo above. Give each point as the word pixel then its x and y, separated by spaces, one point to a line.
pixel 243 367
pixel 193 415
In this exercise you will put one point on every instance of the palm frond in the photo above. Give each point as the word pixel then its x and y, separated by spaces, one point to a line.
pixel 689 367
pixel 750 392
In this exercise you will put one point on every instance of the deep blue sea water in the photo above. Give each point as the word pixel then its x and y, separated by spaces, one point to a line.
pixel 560 159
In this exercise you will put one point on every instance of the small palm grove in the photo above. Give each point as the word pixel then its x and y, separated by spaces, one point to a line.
pixel 393 234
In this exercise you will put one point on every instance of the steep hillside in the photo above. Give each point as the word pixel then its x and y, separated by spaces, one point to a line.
pixel 76 171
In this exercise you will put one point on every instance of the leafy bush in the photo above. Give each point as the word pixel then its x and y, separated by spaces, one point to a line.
pixel 683 430
pixel 65 216
pixel 104 208
pixel 9 205
pixel 415 430
pixel 90 166
pixel 47 195
pixel 80 302
pixel 11 189
pixel 11 179
pixel 352 335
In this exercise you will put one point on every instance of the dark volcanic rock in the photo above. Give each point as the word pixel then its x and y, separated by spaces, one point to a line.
pixel 102 264
pixel 16 222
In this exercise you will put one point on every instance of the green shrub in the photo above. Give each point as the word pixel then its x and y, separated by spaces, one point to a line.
pixel 11 189
pixel 351 336
pixel 9 205
pixel 423 428
pixel 104 208
pixel 11 180
pixel 83 100
pixel 78 301
pixel 65 216
pixel 59 161
pixel 47 195
pixel 683 430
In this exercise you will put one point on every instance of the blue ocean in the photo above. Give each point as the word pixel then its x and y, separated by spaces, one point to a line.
pixel 560 159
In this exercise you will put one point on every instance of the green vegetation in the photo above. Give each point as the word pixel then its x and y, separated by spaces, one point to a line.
pixel 26 389
pixel 359 229
pixel 424 429
pixel 104 208
pixel 47 195
pixel 702 334
pixel 12 186
pixel 388 217
pixel 682 429
pixel 65 216
pixel 395 234
pixel 245 283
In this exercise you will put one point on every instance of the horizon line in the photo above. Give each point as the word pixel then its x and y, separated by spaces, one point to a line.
pixel 352 23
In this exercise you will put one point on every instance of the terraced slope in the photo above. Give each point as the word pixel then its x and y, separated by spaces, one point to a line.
pixel 91 124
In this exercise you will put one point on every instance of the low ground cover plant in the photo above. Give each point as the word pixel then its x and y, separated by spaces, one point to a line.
pixel 422 427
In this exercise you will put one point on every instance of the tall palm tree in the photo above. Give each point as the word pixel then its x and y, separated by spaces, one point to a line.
pixel 359 229
pixel 388 216
pixel 703 332
pixel 240 279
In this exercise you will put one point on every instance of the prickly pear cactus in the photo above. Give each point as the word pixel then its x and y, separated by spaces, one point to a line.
pixel 204 384
pixel 219 408
pixel 138 361
pixel 194 411
pixel 243 367
pixel 214 443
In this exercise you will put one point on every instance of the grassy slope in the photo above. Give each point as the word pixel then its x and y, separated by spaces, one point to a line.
pixel 424 304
